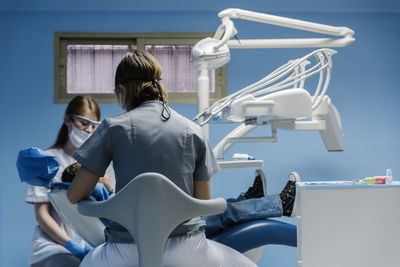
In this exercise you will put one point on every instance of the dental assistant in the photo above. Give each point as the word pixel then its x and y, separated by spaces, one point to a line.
pixel 150 137
pixel 54 243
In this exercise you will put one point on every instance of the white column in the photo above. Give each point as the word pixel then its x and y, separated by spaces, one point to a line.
pixel 203 84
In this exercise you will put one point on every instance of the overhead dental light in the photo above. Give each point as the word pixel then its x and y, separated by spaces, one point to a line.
pixel 204 53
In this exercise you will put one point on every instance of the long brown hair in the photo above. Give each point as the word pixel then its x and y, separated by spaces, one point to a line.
pixel 140 73
pixel 77 106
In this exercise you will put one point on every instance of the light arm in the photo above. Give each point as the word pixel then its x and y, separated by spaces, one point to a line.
pixel 230 31
pixel 284 22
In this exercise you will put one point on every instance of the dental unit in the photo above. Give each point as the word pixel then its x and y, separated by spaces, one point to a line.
pixel 280 98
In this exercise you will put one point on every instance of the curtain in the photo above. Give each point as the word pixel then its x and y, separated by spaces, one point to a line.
pixel 179 72
pixel 91 68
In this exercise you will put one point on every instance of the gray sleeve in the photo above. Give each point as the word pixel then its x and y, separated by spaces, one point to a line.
pixel 206 164
pixel 96 153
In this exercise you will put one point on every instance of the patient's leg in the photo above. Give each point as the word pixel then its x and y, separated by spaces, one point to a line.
pixel 243 210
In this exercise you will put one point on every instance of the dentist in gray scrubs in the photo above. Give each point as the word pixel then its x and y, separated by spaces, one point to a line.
pixel 150 137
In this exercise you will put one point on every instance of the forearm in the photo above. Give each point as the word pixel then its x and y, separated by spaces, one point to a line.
pixel 202 189
pixel 48 224
pixel 82 185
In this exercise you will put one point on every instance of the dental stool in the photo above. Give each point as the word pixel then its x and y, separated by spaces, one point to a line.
pixel 151 217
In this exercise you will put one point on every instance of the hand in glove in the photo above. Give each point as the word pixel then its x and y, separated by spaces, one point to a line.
pixel 77 250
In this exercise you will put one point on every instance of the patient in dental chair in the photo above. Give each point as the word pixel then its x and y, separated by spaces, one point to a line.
pixel 254 204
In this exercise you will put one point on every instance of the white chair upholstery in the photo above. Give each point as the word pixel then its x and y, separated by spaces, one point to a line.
pixel 150 207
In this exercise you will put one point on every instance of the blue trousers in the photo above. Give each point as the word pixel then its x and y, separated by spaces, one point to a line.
pixel 241 210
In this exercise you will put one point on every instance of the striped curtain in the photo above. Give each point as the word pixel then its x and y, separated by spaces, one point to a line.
pixel 91 68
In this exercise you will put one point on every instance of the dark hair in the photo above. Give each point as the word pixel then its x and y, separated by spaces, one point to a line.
pixel 77 106
pixel 70 172
pixel 140 73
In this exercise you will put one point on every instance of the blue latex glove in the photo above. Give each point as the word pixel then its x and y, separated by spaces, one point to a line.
pixel 100 192
pixel 37 167
pixel 77 250
pixel 87 247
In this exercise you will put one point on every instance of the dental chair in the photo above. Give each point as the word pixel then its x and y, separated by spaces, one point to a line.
pixel 249 237
pixel 164 209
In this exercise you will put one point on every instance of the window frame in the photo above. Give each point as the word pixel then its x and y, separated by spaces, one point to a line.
pixel 140 40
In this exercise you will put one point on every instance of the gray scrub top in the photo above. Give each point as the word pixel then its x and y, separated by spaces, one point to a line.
pixel 141 141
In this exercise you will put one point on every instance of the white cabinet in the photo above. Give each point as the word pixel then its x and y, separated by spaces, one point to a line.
pixel 340 225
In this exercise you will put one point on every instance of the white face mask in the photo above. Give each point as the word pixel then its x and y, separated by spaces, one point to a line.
pixel 78 137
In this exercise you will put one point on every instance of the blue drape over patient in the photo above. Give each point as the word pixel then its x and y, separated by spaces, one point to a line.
pixel 37 167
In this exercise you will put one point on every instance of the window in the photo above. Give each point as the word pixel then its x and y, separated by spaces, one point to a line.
pixel 85 63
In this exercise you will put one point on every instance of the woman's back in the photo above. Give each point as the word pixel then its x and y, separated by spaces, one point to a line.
pixel 171 147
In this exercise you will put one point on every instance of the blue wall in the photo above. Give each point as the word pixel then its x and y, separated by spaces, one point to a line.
pixel 364 88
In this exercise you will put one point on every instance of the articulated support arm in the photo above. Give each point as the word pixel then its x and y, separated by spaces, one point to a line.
pixel 227 30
